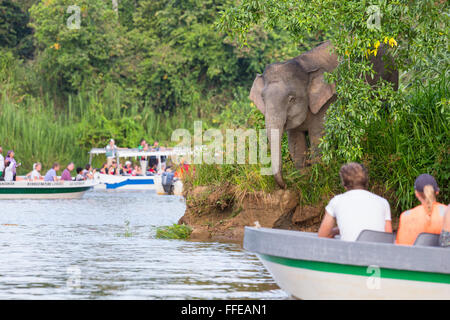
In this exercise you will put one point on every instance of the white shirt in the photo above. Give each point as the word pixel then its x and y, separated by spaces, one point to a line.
pixel 9 172
pixel 2 163
pixel 358 210
pixel 35 175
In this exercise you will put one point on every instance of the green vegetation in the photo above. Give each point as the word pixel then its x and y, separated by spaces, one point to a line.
pixel 176 231
pixel 160 65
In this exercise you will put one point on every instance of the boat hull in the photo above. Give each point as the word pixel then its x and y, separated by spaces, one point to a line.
pixel 309 267
pixel 107 182
pixel 44 190
pixel 318 281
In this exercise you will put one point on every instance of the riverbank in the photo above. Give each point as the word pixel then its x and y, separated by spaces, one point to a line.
pixel 214 218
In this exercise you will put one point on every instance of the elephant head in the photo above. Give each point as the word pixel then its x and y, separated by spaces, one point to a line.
pixel 293 96
pixel 290 94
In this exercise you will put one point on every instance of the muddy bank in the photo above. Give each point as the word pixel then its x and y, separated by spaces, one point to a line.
pixel 220 214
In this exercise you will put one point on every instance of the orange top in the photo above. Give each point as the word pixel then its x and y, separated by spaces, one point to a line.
pixel 417 220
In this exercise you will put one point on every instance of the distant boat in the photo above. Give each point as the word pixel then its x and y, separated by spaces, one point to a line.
pixel 44 189
pixel 309 267
pixel 141 182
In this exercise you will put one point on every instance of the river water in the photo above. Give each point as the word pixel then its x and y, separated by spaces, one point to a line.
pixel 103 246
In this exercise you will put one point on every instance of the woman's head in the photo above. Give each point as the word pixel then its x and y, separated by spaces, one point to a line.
pixel 354 176
pixel 37 166
pixel 426 189
pixel 10 154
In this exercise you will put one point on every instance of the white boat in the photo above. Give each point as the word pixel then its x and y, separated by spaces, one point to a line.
pixel 143 182
pixel 44 189
pixel 309 267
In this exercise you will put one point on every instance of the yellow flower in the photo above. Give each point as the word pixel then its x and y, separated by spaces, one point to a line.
pixel 385 40
pixel 377 44
pixel 56 46
pixel 392 42
pixel 165 77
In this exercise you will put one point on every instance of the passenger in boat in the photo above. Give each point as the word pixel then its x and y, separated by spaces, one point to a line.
pixel 79 176
pixel 114 169
pixel 104 168
pixel 8 175
pixel 444 239
pixel 87 172
pixel 111 150
pixel 2 162
pixel 153 170
pixel 427 217
pixel 143 160
pixel 128 168
pixel 36 173
pixel 136 171
pixel 357 209
pixel 66 176
pixel 12 162
pixel 51 174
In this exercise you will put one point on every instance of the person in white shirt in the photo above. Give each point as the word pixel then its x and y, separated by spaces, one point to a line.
pixel 9 173
pixel 36 173
pixel 355 210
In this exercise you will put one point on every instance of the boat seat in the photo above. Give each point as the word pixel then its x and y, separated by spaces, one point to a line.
pixel 375 236
pixel 427 239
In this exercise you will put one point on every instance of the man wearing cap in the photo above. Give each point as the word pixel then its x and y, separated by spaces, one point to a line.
pixel 427 217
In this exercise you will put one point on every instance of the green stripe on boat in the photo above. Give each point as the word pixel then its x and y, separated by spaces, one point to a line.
pixel 359 270
pixel 42 190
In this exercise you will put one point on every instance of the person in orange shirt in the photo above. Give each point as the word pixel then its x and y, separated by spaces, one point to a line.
pixel 427 217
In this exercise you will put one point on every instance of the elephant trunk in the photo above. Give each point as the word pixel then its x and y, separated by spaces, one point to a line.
pixel 275 134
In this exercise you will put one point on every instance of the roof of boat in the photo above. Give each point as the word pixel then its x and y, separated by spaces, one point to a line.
pixel 135 152
pixel 307 246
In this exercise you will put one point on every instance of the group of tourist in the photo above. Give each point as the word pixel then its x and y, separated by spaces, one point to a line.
pixel 144 166
pixel 358 209
pixel 8 167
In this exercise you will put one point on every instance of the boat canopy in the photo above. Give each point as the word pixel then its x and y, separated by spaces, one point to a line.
pixel 135 152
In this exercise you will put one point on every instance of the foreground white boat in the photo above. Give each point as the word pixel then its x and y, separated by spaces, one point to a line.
pixel 309 267
pixel 44 189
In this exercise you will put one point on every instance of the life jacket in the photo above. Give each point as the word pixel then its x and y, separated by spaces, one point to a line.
pixel 417 220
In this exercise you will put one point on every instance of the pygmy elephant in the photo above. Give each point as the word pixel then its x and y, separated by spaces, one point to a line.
pixel 293 96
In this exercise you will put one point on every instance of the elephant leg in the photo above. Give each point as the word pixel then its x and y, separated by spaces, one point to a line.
pixel 315 133
pixel 297 146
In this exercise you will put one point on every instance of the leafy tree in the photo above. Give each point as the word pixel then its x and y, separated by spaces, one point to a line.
pixel 14 32
pixel 416 33
pixel 178 58
pixel 72 56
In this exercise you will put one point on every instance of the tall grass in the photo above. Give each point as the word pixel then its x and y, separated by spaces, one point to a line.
pixel 38 129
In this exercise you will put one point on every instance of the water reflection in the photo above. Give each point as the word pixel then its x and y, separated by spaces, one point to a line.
pixel 72 249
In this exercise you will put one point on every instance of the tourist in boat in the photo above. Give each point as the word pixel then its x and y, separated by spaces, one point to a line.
pixel 51 174
pixel 357 209
pixel 444 239
pixel 111 150
pixel 114 169
pixel 36 173
pixel 427 217
pixel 66 176
pixel 128 168
pixel 12 162
pixel 2 162
pixel 87 172
pixel 79 176
pixel 136 171
pixel 9 174
pixel 104 168
pixel 143 160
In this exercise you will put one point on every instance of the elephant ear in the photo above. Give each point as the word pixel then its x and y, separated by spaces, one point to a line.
pixel 256 93
pixel 319 92
pixel 315 62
